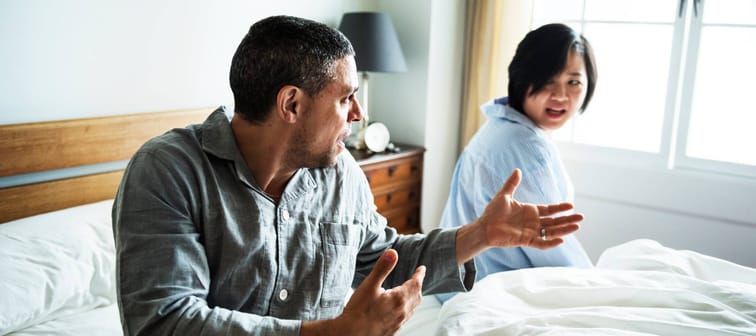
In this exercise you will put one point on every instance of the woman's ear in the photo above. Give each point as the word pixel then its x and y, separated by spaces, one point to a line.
pixel 288 103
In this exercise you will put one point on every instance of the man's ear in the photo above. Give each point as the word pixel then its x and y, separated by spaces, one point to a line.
pixel 289 103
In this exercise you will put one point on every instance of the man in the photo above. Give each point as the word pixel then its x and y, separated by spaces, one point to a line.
pixel 261 225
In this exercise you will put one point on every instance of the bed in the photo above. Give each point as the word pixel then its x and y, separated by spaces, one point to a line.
pixel 57 181
pixel 637 288
pixel 57 256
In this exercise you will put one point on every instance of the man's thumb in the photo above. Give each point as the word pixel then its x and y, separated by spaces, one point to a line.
pixel 382 268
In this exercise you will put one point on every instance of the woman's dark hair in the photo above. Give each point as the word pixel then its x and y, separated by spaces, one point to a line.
pixel 279 51
pixel 541 55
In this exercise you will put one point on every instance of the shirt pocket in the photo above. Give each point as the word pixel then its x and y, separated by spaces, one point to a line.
pixel 340 247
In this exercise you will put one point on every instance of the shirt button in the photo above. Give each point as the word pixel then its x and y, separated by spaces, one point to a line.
pixel 283 294
pixel 285 215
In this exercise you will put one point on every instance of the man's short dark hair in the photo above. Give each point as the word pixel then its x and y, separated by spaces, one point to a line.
pixel 279 51
pixel 541 55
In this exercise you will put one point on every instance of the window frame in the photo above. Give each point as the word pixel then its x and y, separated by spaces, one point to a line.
pixel 671 155
pixel 681 160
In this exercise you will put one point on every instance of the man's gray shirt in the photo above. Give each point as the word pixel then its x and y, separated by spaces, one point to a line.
pixel 202 250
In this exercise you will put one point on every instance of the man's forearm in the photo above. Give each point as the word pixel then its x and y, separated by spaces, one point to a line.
pixel 317 328
pixel 471 241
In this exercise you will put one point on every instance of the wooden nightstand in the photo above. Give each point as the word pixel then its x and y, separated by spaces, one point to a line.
pixel 396 182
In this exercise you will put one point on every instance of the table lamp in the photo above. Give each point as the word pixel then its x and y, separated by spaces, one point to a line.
pixel 376 49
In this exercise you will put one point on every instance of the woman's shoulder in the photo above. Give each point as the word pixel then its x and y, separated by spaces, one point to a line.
pixel 503 134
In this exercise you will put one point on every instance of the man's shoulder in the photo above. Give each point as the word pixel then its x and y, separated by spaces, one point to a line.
pixel 174 140
pixel 189 137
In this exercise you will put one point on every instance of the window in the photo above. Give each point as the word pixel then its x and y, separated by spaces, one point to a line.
pixel 675 81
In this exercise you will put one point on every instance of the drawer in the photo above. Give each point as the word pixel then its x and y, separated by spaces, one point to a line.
pixel 405 196
pixel 405 220
pixel 394 172
pixel 395 179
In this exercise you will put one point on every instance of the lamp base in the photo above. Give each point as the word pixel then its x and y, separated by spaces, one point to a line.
pixel 357 141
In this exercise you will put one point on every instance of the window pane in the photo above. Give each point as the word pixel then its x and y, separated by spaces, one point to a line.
pixel 627 110
pixel 635 10
pixel 730 11
pixel 723 114
pixel 548 11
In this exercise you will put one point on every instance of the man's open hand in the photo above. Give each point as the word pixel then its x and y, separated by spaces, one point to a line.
pixel 506 223
pixel 373 310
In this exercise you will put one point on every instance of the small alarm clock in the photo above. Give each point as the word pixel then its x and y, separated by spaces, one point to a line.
pixel 376 137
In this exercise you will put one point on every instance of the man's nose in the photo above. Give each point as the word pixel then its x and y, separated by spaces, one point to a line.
pixel 355 114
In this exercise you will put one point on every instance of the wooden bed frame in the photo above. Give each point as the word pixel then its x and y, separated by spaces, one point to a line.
pixel 46 146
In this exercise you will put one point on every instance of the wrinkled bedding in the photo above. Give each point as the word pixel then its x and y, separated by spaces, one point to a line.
pixel 637 288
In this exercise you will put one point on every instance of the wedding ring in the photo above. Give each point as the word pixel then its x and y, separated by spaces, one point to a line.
pixel 543 233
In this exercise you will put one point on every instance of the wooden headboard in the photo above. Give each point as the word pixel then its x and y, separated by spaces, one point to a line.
pixel 45 146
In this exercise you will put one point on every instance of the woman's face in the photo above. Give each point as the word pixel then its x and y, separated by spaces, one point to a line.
pixel 561 97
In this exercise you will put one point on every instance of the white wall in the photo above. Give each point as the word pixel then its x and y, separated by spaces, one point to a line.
pixel 706 212
pixel 444 97
pixel 422 105
pixel 398 99
pixel 81 58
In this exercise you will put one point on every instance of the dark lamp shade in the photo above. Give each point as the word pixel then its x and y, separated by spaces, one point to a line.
pixel 374 40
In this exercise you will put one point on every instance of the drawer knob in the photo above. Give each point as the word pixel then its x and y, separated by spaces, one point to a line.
pixel 388 198
pixel 391 170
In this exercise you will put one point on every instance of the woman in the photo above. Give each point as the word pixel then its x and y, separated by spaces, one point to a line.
pixel 551 77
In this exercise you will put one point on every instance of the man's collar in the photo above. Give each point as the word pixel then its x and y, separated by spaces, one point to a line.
pixel 218 140
pixel 217 136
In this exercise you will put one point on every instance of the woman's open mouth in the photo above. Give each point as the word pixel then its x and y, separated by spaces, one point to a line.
pixel 555 112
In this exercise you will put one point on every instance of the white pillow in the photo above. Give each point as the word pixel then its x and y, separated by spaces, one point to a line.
pixel 56 264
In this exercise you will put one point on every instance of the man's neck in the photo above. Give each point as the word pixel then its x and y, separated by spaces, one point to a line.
pixel 263 147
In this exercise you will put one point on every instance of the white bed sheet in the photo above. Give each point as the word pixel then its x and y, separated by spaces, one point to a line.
pixel 424 321
pixel 637 288
pixel 56 265
pixel 102 321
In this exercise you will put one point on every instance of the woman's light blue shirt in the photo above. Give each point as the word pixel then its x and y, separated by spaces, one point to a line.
pixel 510 140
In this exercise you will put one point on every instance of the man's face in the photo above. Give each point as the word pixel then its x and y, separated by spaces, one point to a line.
pixel 326 119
